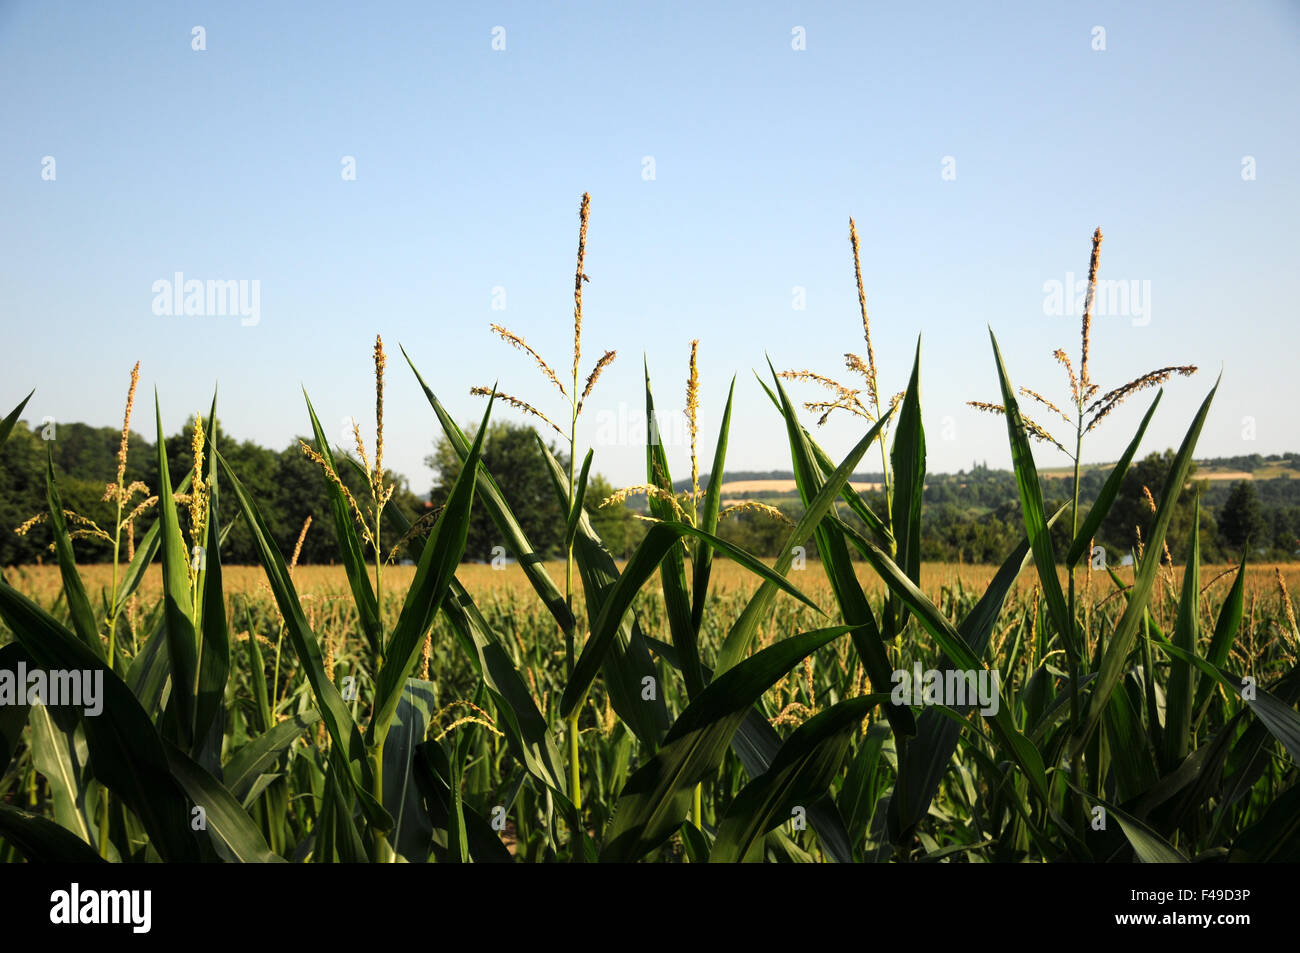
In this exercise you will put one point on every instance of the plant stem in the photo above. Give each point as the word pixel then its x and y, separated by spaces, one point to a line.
pixel 379 850
pixel 112 651
pixel 1071 646
pixel 575 766
pixel 379 584
pixel 889 492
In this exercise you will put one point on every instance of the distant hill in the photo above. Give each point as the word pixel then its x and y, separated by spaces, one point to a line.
pixel 764 483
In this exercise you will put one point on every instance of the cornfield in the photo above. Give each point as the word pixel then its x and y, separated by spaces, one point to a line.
pixel 694 703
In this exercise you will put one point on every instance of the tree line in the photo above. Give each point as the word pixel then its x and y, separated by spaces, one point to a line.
pixel 970 516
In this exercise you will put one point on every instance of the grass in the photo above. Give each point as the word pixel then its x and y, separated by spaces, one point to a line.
pixel 694 703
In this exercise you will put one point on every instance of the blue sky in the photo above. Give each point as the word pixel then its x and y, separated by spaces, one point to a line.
pixel 226 164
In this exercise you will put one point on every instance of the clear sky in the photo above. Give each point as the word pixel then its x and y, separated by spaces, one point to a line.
pixel 227 163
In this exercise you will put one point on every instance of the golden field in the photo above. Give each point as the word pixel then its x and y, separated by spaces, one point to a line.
pixel 485 582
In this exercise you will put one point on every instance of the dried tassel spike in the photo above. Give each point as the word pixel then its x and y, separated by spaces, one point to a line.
pixel 584 215
pixel 692 415
pixel 866 323
pixel 361 445
pixel 520 404
pixel 1086 330
pixel 1064 359
pixel 126 424
pixel 1287 609
pixel 347 494
pixel 753 506
pixel 516 341
pixel 377 479
pixel 646 489
pixel 297 547
pixel 198 489
pixel 606 359
pixel 1032 428
pixel 1045 402
pixel 140 509
pixel 23 529
pixel 1112 399
pixel 825 408
pixel 424 655
pixel 329 658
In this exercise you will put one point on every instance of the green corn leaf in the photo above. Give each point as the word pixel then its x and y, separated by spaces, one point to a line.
pixel 340 840
pixel 1016 746
pixel 438 561
pixel 702 559
pixel 1121 641
pixel 74 592
pixel 489 495
pixel 525 729
pixel 257 675
pixel 145 551
pixel 1132 759
pixel 225 818
pixel 855 502
pixel 627 661
pixel 1280 718
pixel 350 550
pixel 465 833
pixel 13 717
pixel 1148 846
pixel 7 425
pixel 756 743
pixel 696 842
pixel 54 755
pixel 580 494
pixel 806 764
pixel 147 674
pixel 412 835
pixel 1110 489
pixel 261 754
pixel 1275 837
pixel 1178 689
pixel 1031 503
pixel 743 630
pixel 178 608
pixel 214 632
pixel 867 637
pixel 660 538
pixel 1251 753
pixel 41 840
pixel 907 460
pixel 1225 633
pixel 672 568
pixel 338 718
pixel 931 751
pixel 860 794
pixel 125 751
pixel 657 796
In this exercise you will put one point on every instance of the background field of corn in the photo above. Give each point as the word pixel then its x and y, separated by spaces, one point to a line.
pixel 692 703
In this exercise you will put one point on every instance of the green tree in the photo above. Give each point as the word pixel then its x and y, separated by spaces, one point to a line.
pixel 511 455
pixel 22 496
pixel 1241 519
